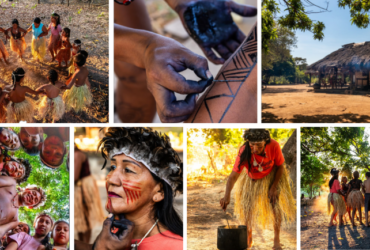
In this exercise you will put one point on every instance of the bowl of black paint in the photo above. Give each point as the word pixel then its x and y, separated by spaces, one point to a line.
pixel 232 238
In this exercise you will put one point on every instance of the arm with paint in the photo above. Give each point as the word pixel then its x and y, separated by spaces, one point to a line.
pixel 232 97
pixel 163 58
pixel 222 34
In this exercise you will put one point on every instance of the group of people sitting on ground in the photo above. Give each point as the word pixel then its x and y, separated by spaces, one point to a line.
pixel 15 106
pixel 348 197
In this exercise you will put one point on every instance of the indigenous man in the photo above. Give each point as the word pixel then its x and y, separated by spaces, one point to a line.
pixel 17 168
pixel 355 198
pixel 43 224
pixel 11 200
pixel 9 139
pixel 263 193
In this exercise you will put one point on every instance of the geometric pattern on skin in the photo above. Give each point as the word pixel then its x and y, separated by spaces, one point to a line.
pixel 243 62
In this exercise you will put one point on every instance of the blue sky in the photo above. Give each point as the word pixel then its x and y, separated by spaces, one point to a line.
pixel 338 32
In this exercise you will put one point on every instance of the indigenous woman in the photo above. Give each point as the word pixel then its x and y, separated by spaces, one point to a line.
pixel 9 139
pixel 39 31
pixel 355 198
pixel 17 168
pixel 263 195
pixel 64 53
pixel 52 103
pixel 31 140
pixel 60 236
pixel 88 208
pixel 3 52
pixel 145 174
pixel 17 41
pixel 55 28
pixel 78 94
pixel 20 107
pixel 335 199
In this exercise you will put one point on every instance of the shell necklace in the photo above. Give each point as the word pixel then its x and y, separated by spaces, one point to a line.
pixel 135 246
pixel 255 163
pixel 13 200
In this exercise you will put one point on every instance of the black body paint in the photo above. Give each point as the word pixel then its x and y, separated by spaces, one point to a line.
pixel 208 23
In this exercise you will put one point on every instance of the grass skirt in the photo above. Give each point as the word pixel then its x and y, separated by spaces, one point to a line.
pixel 355 199
pixel 22 111
pixel 55 105
pixel 88 208
pixel 18 46
pixel 252 205
pixel 77 98
pixel 38 48
pixel 64 55
pixel 338 204
pixel 3 49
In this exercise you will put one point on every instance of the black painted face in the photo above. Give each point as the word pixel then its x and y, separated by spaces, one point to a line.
pixel 209 23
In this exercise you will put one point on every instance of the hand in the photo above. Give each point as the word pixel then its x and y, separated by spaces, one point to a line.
pixel 210 24
pixel 107 240
pixel 273 195
pixel 163 59
pixel 224 202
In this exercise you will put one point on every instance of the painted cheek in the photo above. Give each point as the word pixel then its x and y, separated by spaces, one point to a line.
pixel 132 191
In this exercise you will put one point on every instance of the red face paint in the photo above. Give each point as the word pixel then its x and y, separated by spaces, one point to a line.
pixel 132 190
pixel 109 205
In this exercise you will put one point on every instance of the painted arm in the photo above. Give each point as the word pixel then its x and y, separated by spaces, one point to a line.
pixel 163 58
pixel 232 97
pixel 222 34
pixel 233 177
pixel 12 246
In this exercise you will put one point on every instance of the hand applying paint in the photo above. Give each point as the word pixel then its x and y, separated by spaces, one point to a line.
pixel 113 241
pixel 163 58
pixel 210 24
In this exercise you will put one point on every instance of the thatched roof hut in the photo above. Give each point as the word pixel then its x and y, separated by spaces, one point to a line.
pixel 352 55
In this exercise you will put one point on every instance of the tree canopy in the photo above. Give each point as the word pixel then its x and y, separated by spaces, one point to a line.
pixel 347 149
pixel 55 183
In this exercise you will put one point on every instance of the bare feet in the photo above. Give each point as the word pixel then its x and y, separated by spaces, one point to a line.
pixel 52 59
pixel 332 224
pixel 277 245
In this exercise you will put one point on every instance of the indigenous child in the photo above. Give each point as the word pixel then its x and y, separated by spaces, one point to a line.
pixel 335 199
pixel 64 53
pixel 76 48
pixel 9 139
pixel 60 235
pixel 17 168
pixel 78 95
pixel 3 52
pixel 39 31
pixel 366 189
pixel 55 28
pixel 355 198
pixel 17 41
pixel 52 102
pixel 31 140
pixel 20 107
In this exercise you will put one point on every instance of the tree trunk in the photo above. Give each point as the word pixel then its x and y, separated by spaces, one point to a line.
pixel 290 156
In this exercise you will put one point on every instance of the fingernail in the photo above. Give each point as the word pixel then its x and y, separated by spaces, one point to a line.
pixel 110 215
pixel 196 97
pixel 209 74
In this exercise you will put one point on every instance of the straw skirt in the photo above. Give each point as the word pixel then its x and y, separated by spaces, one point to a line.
pixel 55 107
pixel 252 205
pixel 3 50
pixel 355 199
pixel 338 204
pixel 77 98
pixel 88 208
pixel 22 111
pixel 18 46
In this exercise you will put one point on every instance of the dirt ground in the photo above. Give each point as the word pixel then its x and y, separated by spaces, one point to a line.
pixel 315 233
pixel 205 216
pixel 299 104
pixel 90 25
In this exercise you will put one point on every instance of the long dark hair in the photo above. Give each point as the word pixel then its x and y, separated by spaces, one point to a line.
pixel 58 19
pixel 165 212
pixel 17 75
pixel 335 177
pixel 252 135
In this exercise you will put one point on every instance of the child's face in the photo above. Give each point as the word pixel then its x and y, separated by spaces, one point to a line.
pixel 53 19
pixel 61 234
pixel 63 33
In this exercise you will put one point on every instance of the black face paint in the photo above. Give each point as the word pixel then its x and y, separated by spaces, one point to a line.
pixel 208 23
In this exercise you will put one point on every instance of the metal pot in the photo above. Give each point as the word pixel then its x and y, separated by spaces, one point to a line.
pixel 232 238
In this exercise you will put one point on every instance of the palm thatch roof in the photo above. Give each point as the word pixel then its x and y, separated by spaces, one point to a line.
pixel 350 55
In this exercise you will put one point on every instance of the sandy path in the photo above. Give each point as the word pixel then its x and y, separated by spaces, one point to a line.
pixel 294 104
pixel 315 233
pixel 205 215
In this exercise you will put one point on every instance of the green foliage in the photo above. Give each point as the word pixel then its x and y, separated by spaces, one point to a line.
pixel 34 7
pixel 79 11
pixel 358 10
pixel 347 149
pixel 55 183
